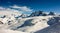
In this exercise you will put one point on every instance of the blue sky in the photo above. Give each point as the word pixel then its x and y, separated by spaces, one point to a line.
pixel 44 5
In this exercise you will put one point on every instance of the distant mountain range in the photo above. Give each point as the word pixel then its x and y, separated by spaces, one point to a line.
pixel 38 20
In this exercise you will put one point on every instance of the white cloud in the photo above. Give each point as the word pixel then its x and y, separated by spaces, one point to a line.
pixel 22 8
pixel 15 8
pixel 8 9
pixel 1 8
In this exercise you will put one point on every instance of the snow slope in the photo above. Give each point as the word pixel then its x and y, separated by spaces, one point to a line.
pixel 24 25
pixel 38 23
pixel 51 29
pixel 10 31
pixel 54 28
pixel 29 25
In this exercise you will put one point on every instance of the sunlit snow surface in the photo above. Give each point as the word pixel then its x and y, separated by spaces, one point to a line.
pixel 11 24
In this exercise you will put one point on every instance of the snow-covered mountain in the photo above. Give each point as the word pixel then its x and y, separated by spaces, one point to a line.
pixel 12 21
pixel 53 28
pixel 41 13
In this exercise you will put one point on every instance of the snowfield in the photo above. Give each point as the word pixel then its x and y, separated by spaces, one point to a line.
pixel 38 23
pixel 10 31
pixel 10 24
